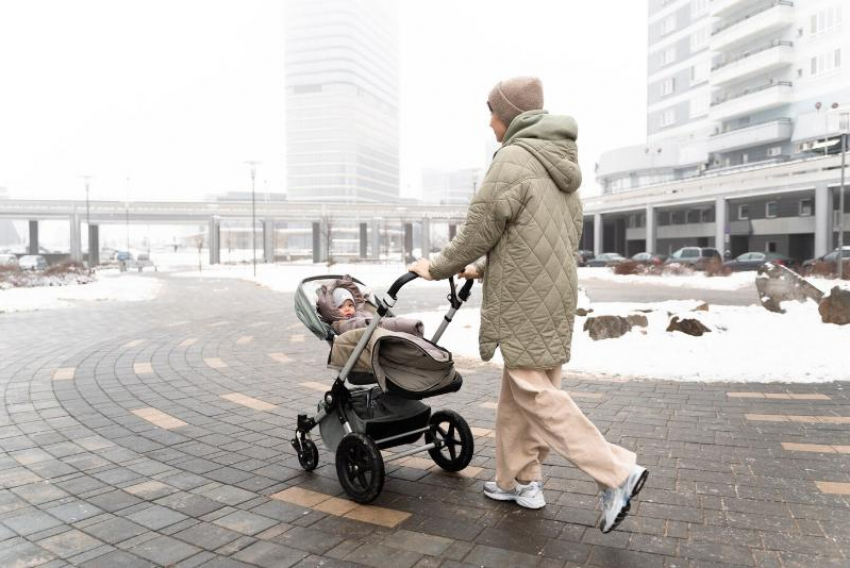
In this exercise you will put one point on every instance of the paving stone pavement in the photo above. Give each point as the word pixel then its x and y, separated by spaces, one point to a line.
pixel 157 434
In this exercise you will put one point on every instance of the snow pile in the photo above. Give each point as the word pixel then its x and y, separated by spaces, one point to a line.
pixel 123 288
pixel 31 279
pixel 734 281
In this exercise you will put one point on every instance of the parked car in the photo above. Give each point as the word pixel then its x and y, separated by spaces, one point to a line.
pixel 32 262
pixel 142 261
pixel 754 260
pixel 606 259
pixel 583 256
pixel 649 259
pixel 8 260
pixel 697 257
pixel 830 258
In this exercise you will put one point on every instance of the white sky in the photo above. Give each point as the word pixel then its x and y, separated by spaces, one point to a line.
pixel 176 95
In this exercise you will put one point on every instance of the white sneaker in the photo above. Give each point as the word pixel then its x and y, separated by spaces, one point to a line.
pixel 617 502
pixel 529 496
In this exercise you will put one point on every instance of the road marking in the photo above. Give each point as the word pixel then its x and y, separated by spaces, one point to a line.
pixel 298 338
pixel 134 343
pixel 382 516
pixel 244 400
pixel 316 386
pixel 778 395
pixel 581 394
pixel 833 488
pixel 280 357
pixel 187 342
pixel 64 374
pixel 159 418
pixel 218 324
pixel 245 340
pixel 819 448
pixel 797 418
pixel 143 368
pixel 482 432
pixel 215 363
pixel 490 405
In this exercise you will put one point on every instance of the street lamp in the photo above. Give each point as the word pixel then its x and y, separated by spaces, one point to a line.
pixel 253 164
pixel 844 128
pixel 86 178
pixel 127 213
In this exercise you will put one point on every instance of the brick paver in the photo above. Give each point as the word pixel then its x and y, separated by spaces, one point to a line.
pixel 157 434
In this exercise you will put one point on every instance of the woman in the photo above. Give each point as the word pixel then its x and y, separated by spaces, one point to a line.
pixel 527 220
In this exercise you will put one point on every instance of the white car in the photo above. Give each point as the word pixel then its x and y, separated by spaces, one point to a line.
pixel 32 262
pixel 9 260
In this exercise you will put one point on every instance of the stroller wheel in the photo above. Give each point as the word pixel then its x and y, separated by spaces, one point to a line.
pixel 360 467
pixel 309 455
pixel 453 433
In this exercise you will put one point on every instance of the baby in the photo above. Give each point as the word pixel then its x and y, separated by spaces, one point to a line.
pixel 342 305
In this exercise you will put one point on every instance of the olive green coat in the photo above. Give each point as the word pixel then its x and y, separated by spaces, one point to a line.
pixel 527 220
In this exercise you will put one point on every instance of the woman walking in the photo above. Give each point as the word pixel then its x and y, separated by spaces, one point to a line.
pixel 526 220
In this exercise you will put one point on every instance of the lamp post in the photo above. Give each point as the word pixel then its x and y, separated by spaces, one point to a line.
pixel 127 214
pixel 844 127
pixel 253 164
pixel 86 178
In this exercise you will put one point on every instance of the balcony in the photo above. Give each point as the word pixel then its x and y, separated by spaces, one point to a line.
pixel 722 8
pixel 752 100
pixel 778 130
pixel 772 18
pixel 776 55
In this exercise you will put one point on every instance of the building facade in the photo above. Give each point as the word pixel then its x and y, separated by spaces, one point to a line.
pixel 342 100
pixel 450 187
pixel 745 105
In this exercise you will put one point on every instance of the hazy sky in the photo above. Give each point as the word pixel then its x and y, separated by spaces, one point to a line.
pixel 176 95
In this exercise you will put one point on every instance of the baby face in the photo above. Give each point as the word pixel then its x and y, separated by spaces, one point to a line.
pixel 347 309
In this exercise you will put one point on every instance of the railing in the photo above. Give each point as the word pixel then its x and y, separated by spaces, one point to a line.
pixel 737 21
pixel 752 125
pixel 747 54
pixel 750 91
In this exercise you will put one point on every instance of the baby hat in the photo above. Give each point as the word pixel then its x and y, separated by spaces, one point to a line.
pixel 341 295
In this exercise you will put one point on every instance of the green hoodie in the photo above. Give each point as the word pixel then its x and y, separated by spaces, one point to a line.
pixel 527 220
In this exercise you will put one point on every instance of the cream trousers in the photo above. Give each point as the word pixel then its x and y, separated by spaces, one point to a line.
pixel 534 416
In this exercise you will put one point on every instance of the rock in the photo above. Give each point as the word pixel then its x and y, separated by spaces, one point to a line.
pixel 638 320
pixel 702 307
pixel 835 308
pixel 691 326
pixel 582 312
pixel 606 327
pixel 777 284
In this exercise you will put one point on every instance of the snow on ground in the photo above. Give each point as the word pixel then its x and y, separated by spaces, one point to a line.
pixel 756 346
pixel 115 287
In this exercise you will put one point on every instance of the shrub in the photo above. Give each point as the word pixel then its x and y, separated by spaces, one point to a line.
pixel 676 269
pixel 714 267
pixel 628 267
pixel 69 267
pixel 824 269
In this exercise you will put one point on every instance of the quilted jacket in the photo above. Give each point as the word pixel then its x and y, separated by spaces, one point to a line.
pixel 527 220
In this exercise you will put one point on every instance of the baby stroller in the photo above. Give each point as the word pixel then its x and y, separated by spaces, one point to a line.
pixel 358 423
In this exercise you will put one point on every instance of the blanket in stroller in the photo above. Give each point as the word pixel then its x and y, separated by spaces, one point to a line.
pixel 362 317
pixel 409 362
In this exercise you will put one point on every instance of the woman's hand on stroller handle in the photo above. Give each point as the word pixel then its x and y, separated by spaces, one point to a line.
pixel 422 268
pixel 401 281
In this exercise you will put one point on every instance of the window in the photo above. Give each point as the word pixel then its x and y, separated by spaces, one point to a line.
pixel 708 216
pixel 668 86
pixel 668 25
pixel 826 21
pixel 745 158
pixel 770 246
pixel 699 72
pixel 806 207
pixel 700 105
pixel 690 253
pixel 775 151
pixel 743 212
pixel 699 8
pixel 826 63
pixel 668 56
pixel 668 117
pixel 770 209
pixel 699 39
pixel 693 216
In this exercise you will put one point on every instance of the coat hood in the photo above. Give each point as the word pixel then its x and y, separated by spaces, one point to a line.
pixel 552 140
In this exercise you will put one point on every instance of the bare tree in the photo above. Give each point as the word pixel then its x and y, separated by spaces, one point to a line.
pixel 327 233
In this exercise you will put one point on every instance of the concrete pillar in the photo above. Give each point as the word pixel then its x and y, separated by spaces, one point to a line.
pixel 408 242
pixel 364 240
pixel 823 219
pixel 76 238
pixel 33 247
pixel 425 237
pixel 320 241
pixel 650 230
pixel 376 239
pixel 214 240
pixel 597 234
pixel 268 241
pixel 722 240
pixel 452 231
pixel 94 245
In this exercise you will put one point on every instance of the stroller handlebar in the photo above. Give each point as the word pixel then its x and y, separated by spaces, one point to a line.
pixel 401 281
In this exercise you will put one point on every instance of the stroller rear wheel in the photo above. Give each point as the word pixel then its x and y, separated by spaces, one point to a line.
pixel 360 467
pixel 457 445
pixel 308 457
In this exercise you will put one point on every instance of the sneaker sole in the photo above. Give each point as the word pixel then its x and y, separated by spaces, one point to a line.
pixel 624 512
pixel 525 503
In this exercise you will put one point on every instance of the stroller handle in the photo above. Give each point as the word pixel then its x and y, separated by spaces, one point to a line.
pixel 401 281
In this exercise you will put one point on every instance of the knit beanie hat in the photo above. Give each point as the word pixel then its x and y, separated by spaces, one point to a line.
pixel 340 295
pixel 512 97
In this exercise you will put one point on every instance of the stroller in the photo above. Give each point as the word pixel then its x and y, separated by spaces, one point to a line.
pixel 358 423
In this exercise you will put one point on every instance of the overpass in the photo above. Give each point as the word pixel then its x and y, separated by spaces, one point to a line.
pixel 368 216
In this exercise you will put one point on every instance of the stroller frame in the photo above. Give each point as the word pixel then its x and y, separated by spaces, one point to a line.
pixel 336 400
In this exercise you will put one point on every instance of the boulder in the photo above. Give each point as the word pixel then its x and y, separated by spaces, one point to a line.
pixel 582 312
pixel 691 326
pixel 701 308
pixel 637 320
pixel 606 327
pixel 777 284
pixel 835 308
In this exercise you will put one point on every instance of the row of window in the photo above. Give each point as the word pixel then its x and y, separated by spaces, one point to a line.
pixel 805 208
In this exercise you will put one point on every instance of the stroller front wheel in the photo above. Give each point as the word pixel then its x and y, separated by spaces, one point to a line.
pixel 308 457
pixel 456 444
pixel 360 467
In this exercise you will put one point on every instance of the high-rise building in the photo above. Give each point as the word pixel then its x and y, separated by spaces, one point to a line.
pixel 342 100
pixel 455 187
pixel 740 93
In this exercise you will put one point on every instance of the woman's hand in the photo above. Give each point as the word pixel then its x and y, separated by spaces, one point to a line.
pixel 470 273
pixel 422 267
